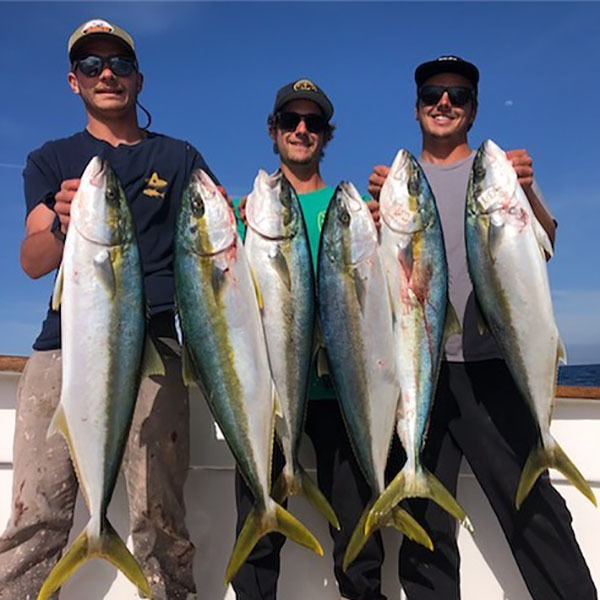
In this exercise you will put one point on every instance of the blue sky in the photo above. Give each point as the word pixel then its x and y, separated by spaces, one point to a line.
pixel 212 70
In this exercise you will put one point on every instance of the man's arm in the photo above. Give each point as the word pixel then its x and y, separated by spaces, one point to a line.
pixel 41 250
pixel 523 166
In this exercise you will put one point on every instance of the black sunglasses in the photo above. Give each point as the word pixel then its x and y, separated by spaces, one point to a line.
pixel 288 121
pixel 459 96
pixel 92 66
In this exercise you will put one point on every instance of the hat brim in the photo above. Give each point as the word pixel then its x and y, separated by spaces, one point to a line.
pixel 318 99
pixel 80 43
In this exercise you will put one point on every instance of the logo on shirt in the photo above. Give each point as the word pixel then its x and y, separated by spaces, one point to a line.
pixel 155 185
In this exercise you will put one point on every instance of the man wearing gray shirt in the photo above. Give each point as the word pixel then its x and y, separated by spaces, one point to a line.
pixel 478 412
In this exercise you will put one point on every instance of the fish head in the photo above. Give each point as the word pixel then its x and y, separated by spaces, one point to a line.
pixel 494 191
pixel 406 202
pixel 349 232
pixel 206 221
pixel 100 211
pixel 273 208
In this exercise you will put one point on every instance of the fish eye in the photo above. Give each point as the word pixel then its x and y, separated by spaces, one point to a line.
pixel 413 186
pixel 479 171
pixel 197 206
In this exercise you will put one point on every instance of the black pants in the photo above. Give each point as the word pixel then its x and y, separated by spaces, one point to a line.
pixel 341 481
pixel 480 415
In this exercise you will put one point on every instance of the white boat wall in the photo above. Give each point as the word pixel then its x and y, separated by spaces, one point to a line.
pixel 487 563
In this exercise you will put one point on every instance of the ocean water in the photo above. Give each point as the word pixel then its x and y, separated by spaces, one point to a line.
pixel 583 375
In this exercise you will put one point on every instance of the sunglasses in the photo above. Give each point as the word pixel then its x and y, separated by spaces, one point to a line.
pixel 288 121
pixel 459 96
pixel 92 66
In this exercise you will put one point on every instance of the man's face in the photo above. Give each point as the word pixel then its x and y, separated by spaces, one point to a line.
pixel 299 146
pixel 443 119
pixel 106 93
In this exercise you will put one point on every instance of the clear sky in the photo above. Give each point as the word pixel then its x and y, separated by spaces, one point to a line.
pixel 212 69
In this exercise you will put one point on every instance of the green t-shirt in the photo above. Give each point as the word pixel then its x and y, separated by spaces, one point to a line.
pixel 314 206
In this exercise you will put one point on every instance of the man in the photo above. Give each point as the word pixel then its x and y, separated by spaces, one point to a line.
pixel 153 170
pixel 478 412
pixel 300 129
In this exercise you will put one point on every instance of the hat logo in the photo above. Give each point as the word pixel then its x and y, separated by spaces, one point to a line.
pixel 305 85
pixel 97 26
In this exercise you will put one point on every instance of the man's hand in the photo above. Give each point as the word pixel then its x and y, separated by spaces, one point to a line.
pixel 523 166
pixel 63 198
pixel 376 180
pixel 374 208
pixel 242 209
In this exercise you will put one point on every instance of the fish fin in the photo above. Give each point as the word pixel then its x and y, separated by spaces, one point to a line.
pixel 58 424
pixel 397 518
pixel 152 363
pixel 111 548
pixel 359 537
pixel 257 525
pixel 418 485
pixel 322 363
pixel 58 287
pixel 277 408
pixel 408 525
pixel 452 325
pixel 313 494
pixel 406 260
pixel 495 237
pixel 282 269
pixel 190 376
pixel 218 280
pixel 482 326
pixel 261 304
pixel 542 238
pixel 361 290
pixel 562 352
pixel 541 459
pixel 103 268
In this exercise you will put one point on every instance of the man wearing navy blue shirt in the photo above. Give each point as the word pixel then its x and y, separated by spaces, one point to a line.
pixel 153 169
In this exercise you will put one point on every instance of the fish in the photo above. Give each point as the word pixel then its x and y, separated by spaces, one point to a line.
pixel 225 353
pixel 100 291
pixel 506 255
pixel 278 252
pixel 356 316
pixel 414 259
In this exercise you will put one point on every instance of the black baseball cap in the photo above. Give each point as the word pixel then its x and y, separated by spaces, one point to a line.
pixel 304 89
pixel 447 64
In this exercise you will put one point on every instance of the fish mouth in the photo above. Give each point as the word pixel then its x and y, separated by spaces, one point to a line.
pixel 99 171
pixel 351 203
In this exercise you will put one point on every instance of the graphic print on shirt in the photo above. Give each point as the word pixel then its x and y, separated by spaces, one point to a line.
pixel 155 184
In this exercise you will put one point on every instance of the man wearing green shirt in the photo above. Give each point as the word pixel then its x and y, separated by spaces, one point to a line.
pixel 300 128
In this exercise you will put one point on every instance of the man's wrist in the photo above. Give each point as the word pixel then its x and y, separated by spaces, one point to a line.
pixel 57 231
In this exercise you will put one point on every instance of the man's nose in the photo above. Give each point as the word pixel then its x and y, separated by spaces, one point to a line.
pixel 445 99
pixel 301 127
pixel 106 72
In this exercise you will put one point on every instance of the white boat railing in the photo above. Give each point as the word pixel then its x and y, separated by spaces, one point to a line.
pixel 487 563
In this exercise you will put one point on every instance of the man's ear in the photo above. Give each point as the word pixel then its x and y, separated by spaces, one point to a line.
pixel 73 83
pixel 272 134
pixel 473 114
pixel 140 82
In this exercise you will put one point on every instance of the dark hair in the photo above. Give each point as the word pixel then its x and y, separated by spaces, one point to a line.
pixel 327 134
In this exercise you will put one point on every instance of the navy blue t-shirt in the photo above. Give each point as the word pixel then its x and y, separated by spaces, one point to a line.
pixel 153 173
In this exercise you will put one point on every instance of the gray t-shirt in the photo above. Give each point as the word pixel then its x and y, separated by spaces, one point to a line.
pixel 449 186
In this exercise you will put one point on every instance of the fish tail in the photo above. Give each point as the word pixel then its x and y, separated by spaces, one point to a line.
pixel 539 460
pixel 110 547
pixel 313 494
pixel 421 484
pixel 359 537
pixel 257 525
pixel 406 524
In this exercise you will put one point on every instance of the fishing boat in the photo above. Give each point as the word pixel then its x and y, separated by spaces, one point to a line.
pixel 486 564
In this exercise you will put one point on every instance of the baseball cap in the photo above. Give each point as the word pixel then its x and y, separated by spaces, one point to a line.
pixel 447 64
pixel 96 28
pixel 304 89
